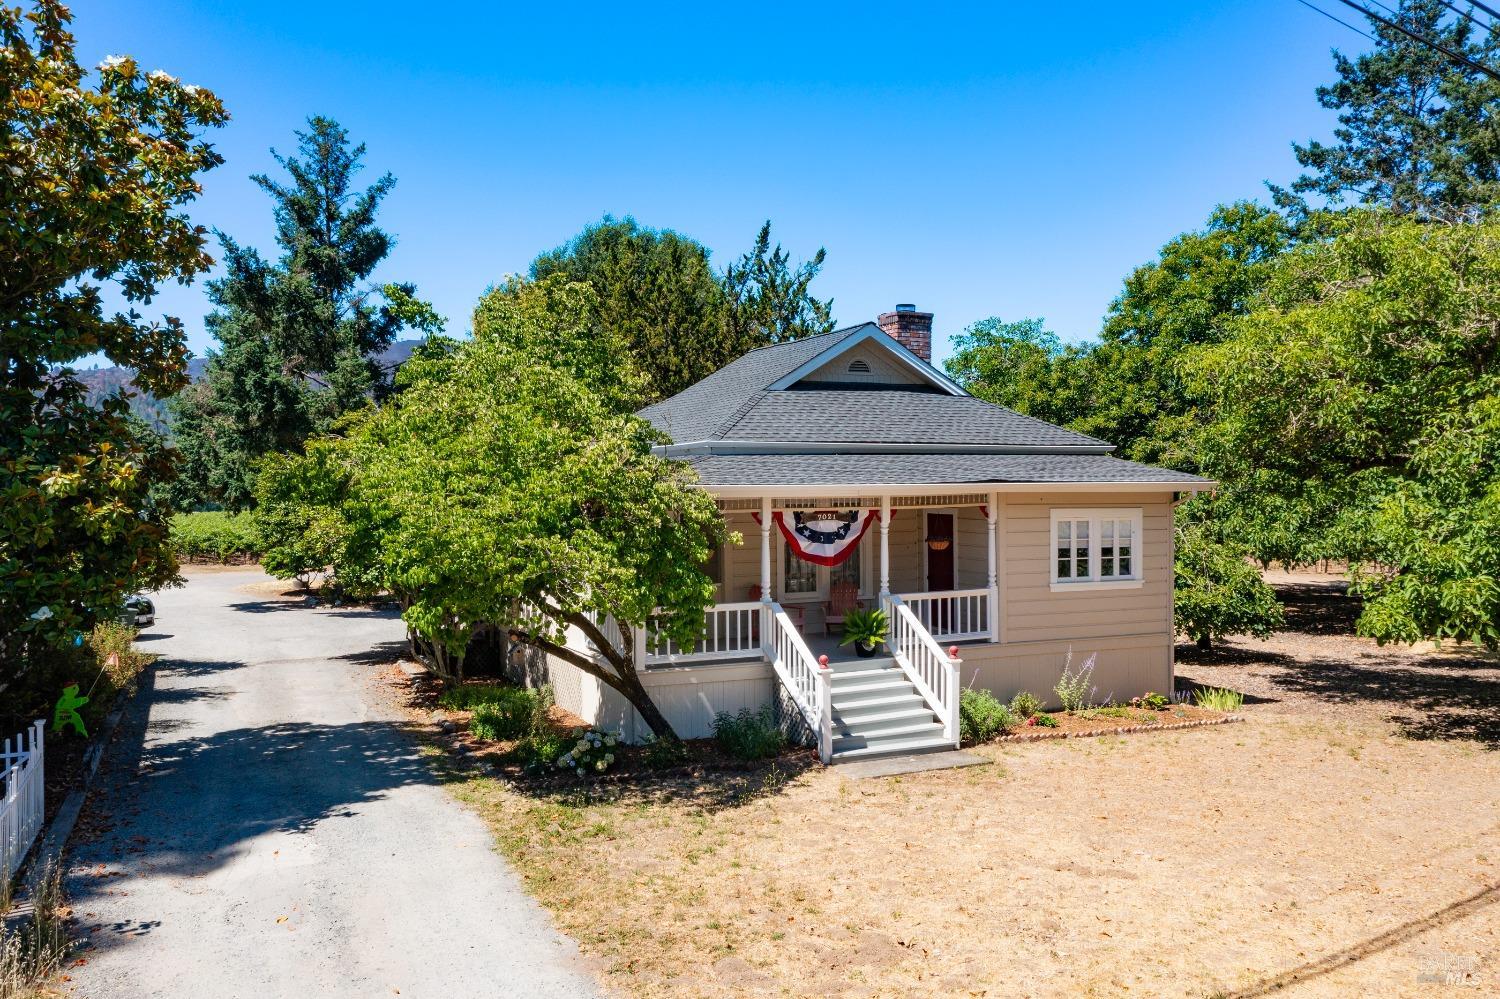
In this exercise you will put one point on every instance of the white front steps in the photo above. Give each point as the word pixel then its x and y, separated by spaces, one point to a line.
pixel 877 710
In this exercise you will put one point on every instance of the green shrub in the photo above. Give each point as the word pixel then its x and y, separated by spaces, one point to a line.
pixel 1151 701
pixel 215 536
pixel 540 722
pixel 659 754
pixel 749 735
pixel 1025 704
pixel 1043 719
pixel 500 711
pixel 539 752
pixel 1075 689
pixel 1218 591
pixel 981 717
pixel 50 668
pixel 1220 699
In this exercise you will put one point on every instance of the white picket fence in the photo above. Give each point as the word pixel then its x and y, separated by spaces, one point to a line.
pixel 22 804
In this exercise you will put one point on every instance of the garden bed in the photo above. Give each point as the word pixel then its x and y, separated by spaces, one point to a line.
pixel 1089 722
pixel 506 757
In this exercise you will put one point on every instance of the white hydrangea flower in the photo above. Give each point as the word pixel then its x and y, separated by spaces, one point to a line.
pixel 599 766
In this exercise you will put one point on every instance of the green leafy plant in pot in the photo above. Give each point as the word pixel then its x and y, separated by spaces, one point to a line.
pixel 866 630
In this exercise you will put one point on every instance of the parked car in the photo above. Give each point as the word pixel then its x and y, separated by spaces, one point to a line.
pixel 142 608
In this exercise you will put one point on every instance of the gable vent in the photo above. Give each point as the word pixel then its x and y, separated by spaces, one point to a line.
pixel 859 366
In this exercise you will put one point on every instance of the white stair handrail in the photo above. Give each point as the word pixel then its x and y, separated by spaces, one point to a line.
pixel 931 671
pixel 809 682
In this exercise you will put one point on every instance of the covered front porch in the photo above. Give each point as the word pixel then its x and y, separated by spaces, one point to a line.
pixel 936 553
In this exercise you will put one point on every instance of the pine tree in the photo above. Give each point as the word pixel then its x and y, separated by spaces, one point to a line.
pixel 1419 132
pixel 298 339
pixel 770 302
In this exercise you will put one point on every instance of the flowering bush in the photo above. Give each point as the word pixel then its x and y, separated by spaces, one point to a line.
pixel 1042 719
pixel 592 752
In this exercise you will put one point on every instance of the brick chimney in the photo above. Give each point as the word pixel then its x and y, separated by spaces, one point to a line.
pixel 910 328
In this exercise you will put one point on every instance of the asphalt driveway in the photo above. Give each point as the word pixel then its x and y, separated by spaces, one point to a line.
pixel 263 828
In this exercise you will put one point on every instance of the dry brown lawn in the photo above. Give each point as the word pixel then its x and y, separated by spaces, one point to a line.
pixel 1343 840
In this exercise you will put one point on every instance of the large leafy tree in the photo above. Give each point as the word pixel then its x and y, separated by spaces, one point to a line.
pixel 299 337
pixel 1418 132
pixel 1358 400
pixel 680 319
pixel 1024 366
pixel 95 176
pixel 503 491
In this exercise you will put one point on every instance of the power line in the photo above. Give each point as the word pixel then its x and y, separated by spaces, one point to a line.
pixel 1438 46
pixel 1492 12
pixel 1340 20
pixel 1468 15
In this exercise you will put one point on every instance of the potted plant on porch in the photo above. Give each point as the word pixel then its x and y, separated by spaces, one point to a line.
pixel 866 630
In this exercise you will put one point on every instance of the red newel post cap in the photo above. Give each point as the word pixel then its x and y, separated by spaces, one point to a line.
pixel 822 662
pixel 953 652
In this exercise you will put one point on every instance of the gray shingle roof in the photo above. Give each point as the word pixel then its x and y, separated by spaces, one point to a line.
pixel 700 411
pixel 733 404
pixel 924 469
pixel 891 416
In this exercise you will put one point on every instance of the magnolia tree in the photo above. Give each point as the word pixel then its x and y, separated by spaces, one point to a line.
pixel 96 171
pixel 498 492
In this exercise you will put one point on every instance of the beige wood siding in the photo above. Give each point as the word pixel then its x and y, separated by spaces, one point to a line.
pixel 742 566
pixel 973 561
pixel 1034 613
pixel 1124 666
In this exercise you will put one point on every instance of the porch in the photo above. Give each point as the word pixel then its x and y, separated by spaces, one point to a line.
pixel 938 554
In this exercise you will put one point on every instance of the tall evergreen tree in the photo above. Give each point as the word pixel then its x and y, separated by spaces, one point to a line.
pixel 682 320
pixel 298 338
pixel 1419 132
pixel 769 301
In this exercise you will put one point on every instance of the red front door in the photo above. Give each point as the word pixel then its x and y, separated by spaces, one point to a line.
pixel 940 565
pixel 939 559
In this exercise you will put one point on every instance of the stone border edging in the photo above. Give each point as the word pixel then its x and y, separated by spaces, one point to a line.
pixel 1127 730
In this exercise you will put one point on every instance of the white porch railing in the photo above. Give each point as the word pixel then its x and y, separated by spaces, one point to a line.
pixel 22 803
pixel 730 631
pixel 809 685
pixel 931 670
pixel 952 615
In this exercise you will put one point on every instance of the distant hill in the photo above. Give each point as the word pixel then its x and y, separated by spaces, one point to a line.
pixel 103 382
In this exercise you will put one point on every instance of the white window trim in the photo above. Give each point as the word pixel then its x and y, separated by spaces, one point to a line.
pixel 1094 515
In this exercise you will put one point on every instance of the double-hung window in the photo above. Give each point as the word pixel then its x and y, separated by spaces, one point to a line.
pixel 1094 549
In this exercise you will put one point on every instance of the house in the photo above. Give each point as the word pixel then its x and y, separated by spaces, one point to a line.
pixel 858 473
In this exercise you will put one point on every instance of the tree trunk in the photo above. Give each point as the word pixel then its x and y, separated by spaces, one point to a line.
pixel 636 693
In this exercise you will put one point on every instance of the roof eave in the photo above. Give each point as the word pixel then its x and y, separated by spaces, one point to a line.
pixel 806 491
pixel 701 448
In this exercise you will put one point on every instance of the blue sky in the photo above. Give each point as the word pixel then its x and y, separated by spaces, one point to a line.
pixel 1009 159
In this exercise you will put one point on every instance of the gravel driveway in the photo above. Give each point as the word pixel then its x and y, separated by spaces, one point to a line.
pixel 262 828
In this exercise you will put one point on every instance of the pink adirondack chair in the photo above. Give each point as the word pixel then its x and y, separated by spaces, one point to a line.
pixel 843 597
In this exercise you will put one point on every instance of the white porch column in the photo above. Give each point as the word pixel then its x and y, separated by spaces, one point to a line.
pixel 765 549
pixel 991 522
pixel 885 547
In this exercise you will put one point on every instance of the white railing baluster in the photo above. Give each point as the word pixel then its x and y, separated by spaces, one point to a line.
pixel 931 671
pixel 950 615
